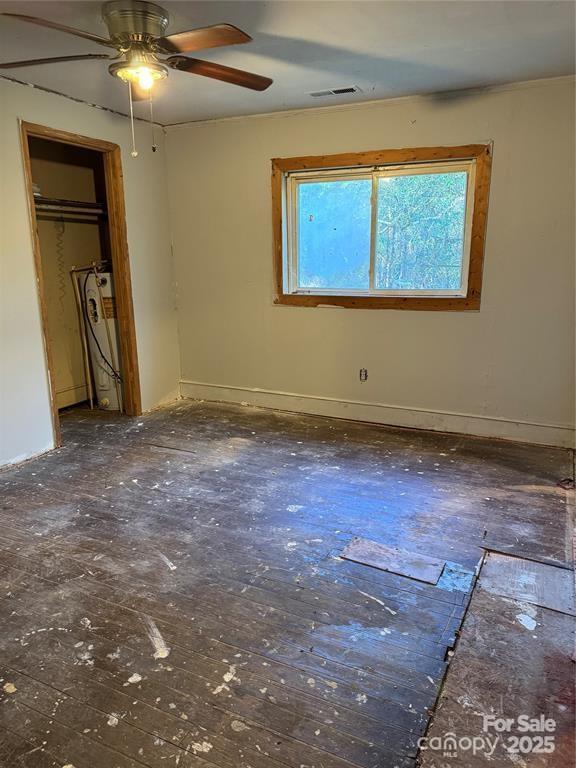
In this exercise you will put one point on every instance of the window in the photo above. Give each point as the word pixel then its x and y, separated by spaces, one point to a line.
pixel 393 229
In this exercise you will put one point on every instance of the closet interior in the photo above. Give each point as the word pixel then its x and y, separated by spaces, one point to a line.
pixel 69 191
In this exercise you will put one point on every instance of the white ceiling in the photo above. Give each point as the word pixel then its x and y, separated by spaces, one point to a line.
pixel 386 48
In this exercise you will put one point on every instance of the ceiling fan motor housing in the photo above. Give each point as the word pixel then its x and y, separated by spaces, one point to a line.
pixel 134 21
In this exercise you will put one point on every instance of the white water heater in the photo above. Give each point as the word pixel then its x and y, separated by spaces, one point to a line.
pixel 97 296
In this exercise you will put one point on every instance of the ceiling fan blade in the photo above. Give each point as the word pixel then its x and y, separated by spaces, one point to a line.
pixel 204 37
pixel 62 28
pixel 220 72
pixel 53 60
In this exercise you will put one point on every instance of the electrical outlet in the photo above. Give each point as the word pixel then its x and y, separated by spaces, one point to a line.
pixel 363 374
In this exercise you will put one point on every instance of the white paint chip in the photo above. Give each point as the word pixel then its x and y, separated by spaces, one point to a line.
pixel 230 675
pixel 200 746
pixel 161 650
pixel 377 600
pixel 527 621
pixel 168 562
pixel 239 726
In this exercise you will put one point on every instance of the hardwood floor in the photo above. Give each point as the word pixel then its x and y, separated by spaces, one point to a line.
pixel 171 591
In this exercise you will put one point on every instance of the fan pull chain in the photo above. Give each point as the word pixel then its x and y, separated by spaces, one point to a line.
pixel 154 147
pixel 134 152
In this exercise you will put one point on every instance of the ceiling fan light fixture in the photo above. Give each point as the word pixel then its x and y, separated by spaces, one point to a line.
pixel 142 73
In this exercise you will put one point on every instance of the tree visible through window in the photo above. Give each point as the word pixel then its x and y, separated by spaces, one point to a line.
pixel 386 231
pixel 420 228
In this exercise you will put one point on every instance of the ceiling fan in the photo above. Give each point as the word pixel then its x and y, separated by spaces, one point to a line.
pixel 136 30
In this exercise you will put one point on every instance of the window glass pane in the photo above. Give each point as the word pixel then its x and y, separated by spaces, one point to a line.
pixel 334 234
pixel 420 231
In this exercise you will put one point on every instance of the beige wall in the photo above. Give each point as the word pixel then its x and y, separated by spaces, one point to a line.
pixel 507 370
pixel 25 427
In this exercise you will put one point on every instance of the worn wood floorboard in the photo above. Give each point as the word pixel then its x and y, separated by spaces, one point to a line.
pixel 171 590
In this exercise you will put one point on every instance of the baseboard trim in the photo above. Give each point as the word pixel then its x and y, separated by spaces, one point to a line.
pixel 380 413
pixel 25 457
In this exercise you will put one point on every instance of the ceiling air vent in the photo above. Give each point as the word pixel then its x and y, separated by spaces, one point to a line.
pixel 336 91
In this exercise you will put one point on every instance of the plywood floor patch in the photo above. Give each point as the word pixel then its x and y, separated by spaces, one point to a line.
pixel 394 559
pixel 529 581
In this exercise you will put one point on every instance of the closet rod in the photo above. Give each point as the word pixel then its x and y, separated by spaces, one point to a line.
pixel 68 219
pixel 56 202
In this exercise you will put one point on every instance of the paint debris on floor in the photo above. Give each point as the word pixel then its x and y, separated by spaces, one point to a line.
pixel 230 587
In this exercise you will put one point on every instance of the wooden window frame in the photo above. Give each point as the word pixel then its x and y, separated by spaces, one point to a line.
pixel 481 154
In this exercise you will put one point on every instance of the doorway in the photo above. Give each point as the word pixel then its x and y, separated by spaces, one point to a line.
pixel 77 214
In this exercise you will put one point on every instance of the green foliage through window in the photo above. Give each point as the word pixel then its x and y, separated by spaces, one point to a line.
pixel 418 228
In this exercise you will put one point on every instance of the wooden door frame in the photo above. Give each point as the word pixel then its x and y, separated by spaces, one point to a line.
pixel 120 261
